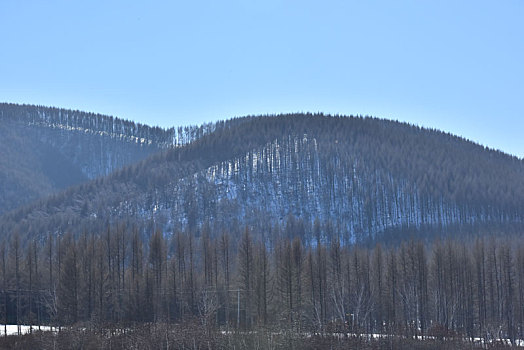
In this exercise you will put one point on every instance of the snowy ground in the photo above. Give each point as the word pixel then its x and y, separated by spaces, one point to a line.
pixel 24 329
pixel 12 329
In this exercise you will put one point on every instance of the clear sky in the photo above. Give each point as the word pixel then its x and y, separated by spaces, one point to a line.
pixel 453 65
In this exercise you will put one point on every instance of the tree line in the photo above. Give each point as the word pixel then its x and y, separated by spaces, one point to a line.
pixel 242 280
pixel 100 124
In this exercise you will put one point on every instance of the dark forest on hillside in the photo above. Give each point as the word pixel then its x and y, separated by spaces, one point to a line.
pixel 46 150
pixel 367 176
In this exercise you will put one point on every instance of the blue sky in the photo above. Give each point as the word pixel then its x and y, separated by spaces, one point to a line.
pixel 452 65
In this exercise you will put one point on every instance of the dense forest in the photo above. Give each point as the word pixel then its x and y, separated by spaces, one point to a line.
pixel 369 177
pixel 285 231
pixel 255 281
pixel 45 150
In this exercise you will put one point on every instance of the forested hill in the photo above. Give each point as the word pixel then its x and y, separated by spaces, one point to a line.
pixel 44 149
pixel 309 175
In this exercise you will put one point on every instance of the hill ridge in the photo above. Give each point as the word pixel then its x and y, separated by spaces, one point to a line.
pixel 428 178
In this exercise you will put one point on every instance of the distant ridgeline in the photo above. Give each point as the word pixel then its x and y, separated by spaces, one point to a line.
pixel 48 149
pixel 302 175
pixel 104 125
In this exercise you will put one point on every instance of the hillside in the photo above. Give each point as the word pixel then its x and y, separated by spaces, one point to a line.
pixel 45 150
pixel 356 177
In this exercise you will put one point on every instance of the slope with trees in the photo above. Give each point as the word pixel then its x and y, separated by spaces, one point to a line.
pixel 45 150
pixel 365 178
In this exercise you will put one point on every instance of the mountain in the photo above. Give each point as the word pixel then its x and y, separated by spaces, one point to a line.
pixel 353 177
pixel 45 150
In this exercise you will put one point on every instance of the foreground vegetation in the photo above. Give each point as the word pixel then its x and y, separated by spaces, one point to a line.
pixel 240 282
pixel 191 334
